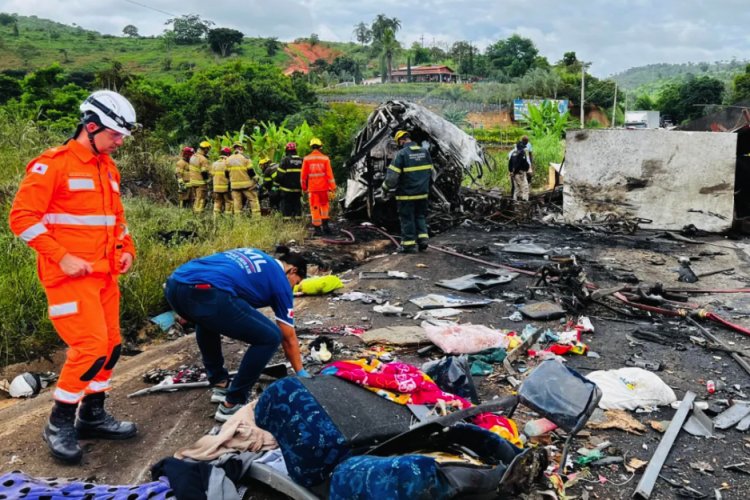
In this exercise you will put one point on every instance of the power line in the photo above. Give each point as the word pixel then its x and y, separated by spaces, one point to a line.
pixel 152 8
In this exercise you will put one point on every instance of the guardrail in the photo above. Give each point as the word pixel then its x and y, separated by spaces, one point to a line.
pixel 428 102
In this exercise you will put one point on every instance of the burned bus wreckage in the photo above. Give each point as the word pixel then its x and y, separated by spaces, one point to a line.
pixel 455 154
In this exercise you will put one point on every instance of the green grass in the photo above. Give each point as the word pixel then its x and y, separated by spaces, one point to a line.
pixel 546 150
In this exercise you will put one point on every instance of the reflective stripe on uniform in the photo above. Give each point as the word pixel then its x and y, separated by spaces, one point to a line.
pixel 394 168
pixel 79 220
pixel 411 197
pixel 417 168
pixel 67 397
pixel 321 174
pixel 64 309
pixel 423 236
pixel 290 190
pixel 408 243
pixel 33 232
pixel 95 386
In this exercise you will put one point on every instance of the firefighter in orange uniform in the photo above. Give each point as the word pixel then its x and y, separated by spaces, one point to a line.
pixel 68 209
pixel 317 180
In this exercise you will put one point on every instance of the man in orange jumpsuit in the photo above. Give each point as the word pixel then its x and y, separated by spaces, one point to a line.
pixel 317 180
pixel 68 209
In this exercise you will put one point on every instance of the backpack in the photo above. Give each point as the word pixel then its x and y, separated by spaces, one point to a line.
pixel 518 161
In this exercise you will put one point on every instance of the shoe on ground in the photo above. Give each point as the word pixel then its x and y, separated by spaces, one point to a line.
pixel 106 427
pixel 63 442
pixel 409 249
pixel 423 247
pixel 224 413
pixel 219 394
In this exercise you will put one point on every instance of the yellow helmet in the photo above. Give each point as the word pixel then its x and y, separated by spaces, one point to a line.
pixel 399 135
pixel 316 142
pixel 264 160
pixel 205 145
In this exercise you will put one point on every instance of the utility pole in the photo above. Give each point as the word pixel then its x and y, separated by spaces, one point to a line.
pixel 614 107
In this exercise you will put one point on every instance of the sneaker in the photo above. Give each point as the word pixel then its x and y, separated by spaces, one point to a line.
pixel 224 413
pixel 219 394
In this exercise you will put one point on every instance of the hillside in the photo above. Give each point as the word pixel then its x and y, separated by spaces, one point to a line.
pixel 41 42
pixel 648 79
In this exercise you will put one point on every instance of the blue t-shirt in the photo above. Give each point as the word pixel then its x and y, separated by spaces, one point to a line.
pixel 247 273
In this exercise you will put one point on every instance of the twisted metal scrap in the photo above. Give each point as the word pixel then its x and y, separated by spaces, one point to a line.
pixel 454 154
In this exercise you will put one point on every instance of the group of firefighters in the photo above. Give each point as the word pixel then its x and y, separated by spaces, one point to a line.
pixel 234 183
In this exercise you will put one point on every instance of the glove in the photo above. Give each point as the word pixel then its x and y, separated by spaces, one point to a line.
pixel 303 374
pixel 331 195
pixel 387 195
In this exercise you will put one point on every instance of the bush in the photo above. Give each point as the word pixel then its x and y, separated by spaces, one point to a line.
pixel 547 149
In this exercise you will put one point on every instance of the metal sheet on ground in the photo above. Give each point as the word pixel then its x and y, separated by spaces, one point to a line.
pixel 396 335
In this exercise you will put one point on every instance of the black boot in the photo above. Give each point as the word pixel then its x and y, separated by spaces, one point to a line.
pixel 95 423
pixel 60 433
pixel 326 227
pixel 317 231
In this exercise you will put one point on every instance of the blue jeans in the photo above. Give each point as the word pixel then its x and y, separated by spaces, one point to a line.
pixel 215 313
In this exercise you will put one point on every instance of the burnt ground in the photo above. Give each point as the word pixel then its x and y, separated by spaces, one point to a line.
pixel 170 421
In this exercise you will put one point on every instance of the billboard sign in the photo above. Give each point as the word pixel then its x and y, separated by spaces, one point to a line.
pixel 521 107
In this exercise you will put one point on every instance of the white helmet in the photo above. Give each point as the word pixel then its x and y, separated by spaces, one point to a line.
pixel 25 385
pixel 111 110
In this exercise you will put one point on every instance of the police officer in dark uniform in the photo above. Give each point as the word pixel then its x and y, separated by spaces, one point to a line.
pixel 289 183
pixel 409 175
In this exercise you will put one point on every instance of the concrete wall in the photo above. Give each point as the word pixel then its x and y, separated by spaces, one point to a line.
pixel 673 178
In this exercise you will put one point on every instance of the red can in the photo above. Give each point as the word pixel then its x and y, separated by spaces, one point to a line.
pixel 710 386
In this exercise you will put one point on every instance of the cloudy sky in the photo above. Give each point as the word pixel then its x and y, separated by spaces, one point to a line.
pixel 613 34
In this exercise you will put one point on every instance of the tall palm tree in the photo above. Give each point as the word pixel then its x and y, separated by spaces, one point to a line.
pixel 388 47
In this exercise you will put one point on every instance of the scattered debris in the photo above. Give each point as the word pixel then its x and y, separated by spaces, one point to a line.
pixel 388 309
pixel 454 155
pixel 631 388
pixel 703 467
pixel 477 282
pixel 395 335
pixel 616 419
pixel 699 424
pixel 382 275
pixel 732 416
pixel 542 311
pixel 648 480
pixel 437 301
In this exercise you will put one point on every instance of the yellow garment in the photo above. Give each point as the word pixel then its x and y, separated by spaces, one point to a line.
pixel 318 285
pixel 249 195
pixel 182 170
pixel 238 166
pixel 198 165
pixel 219 173
pixel 200 195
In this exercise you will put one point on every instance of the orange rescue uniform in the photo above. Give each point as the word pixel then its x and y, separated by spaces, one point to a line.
pixel 69 202
pixel 317 180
